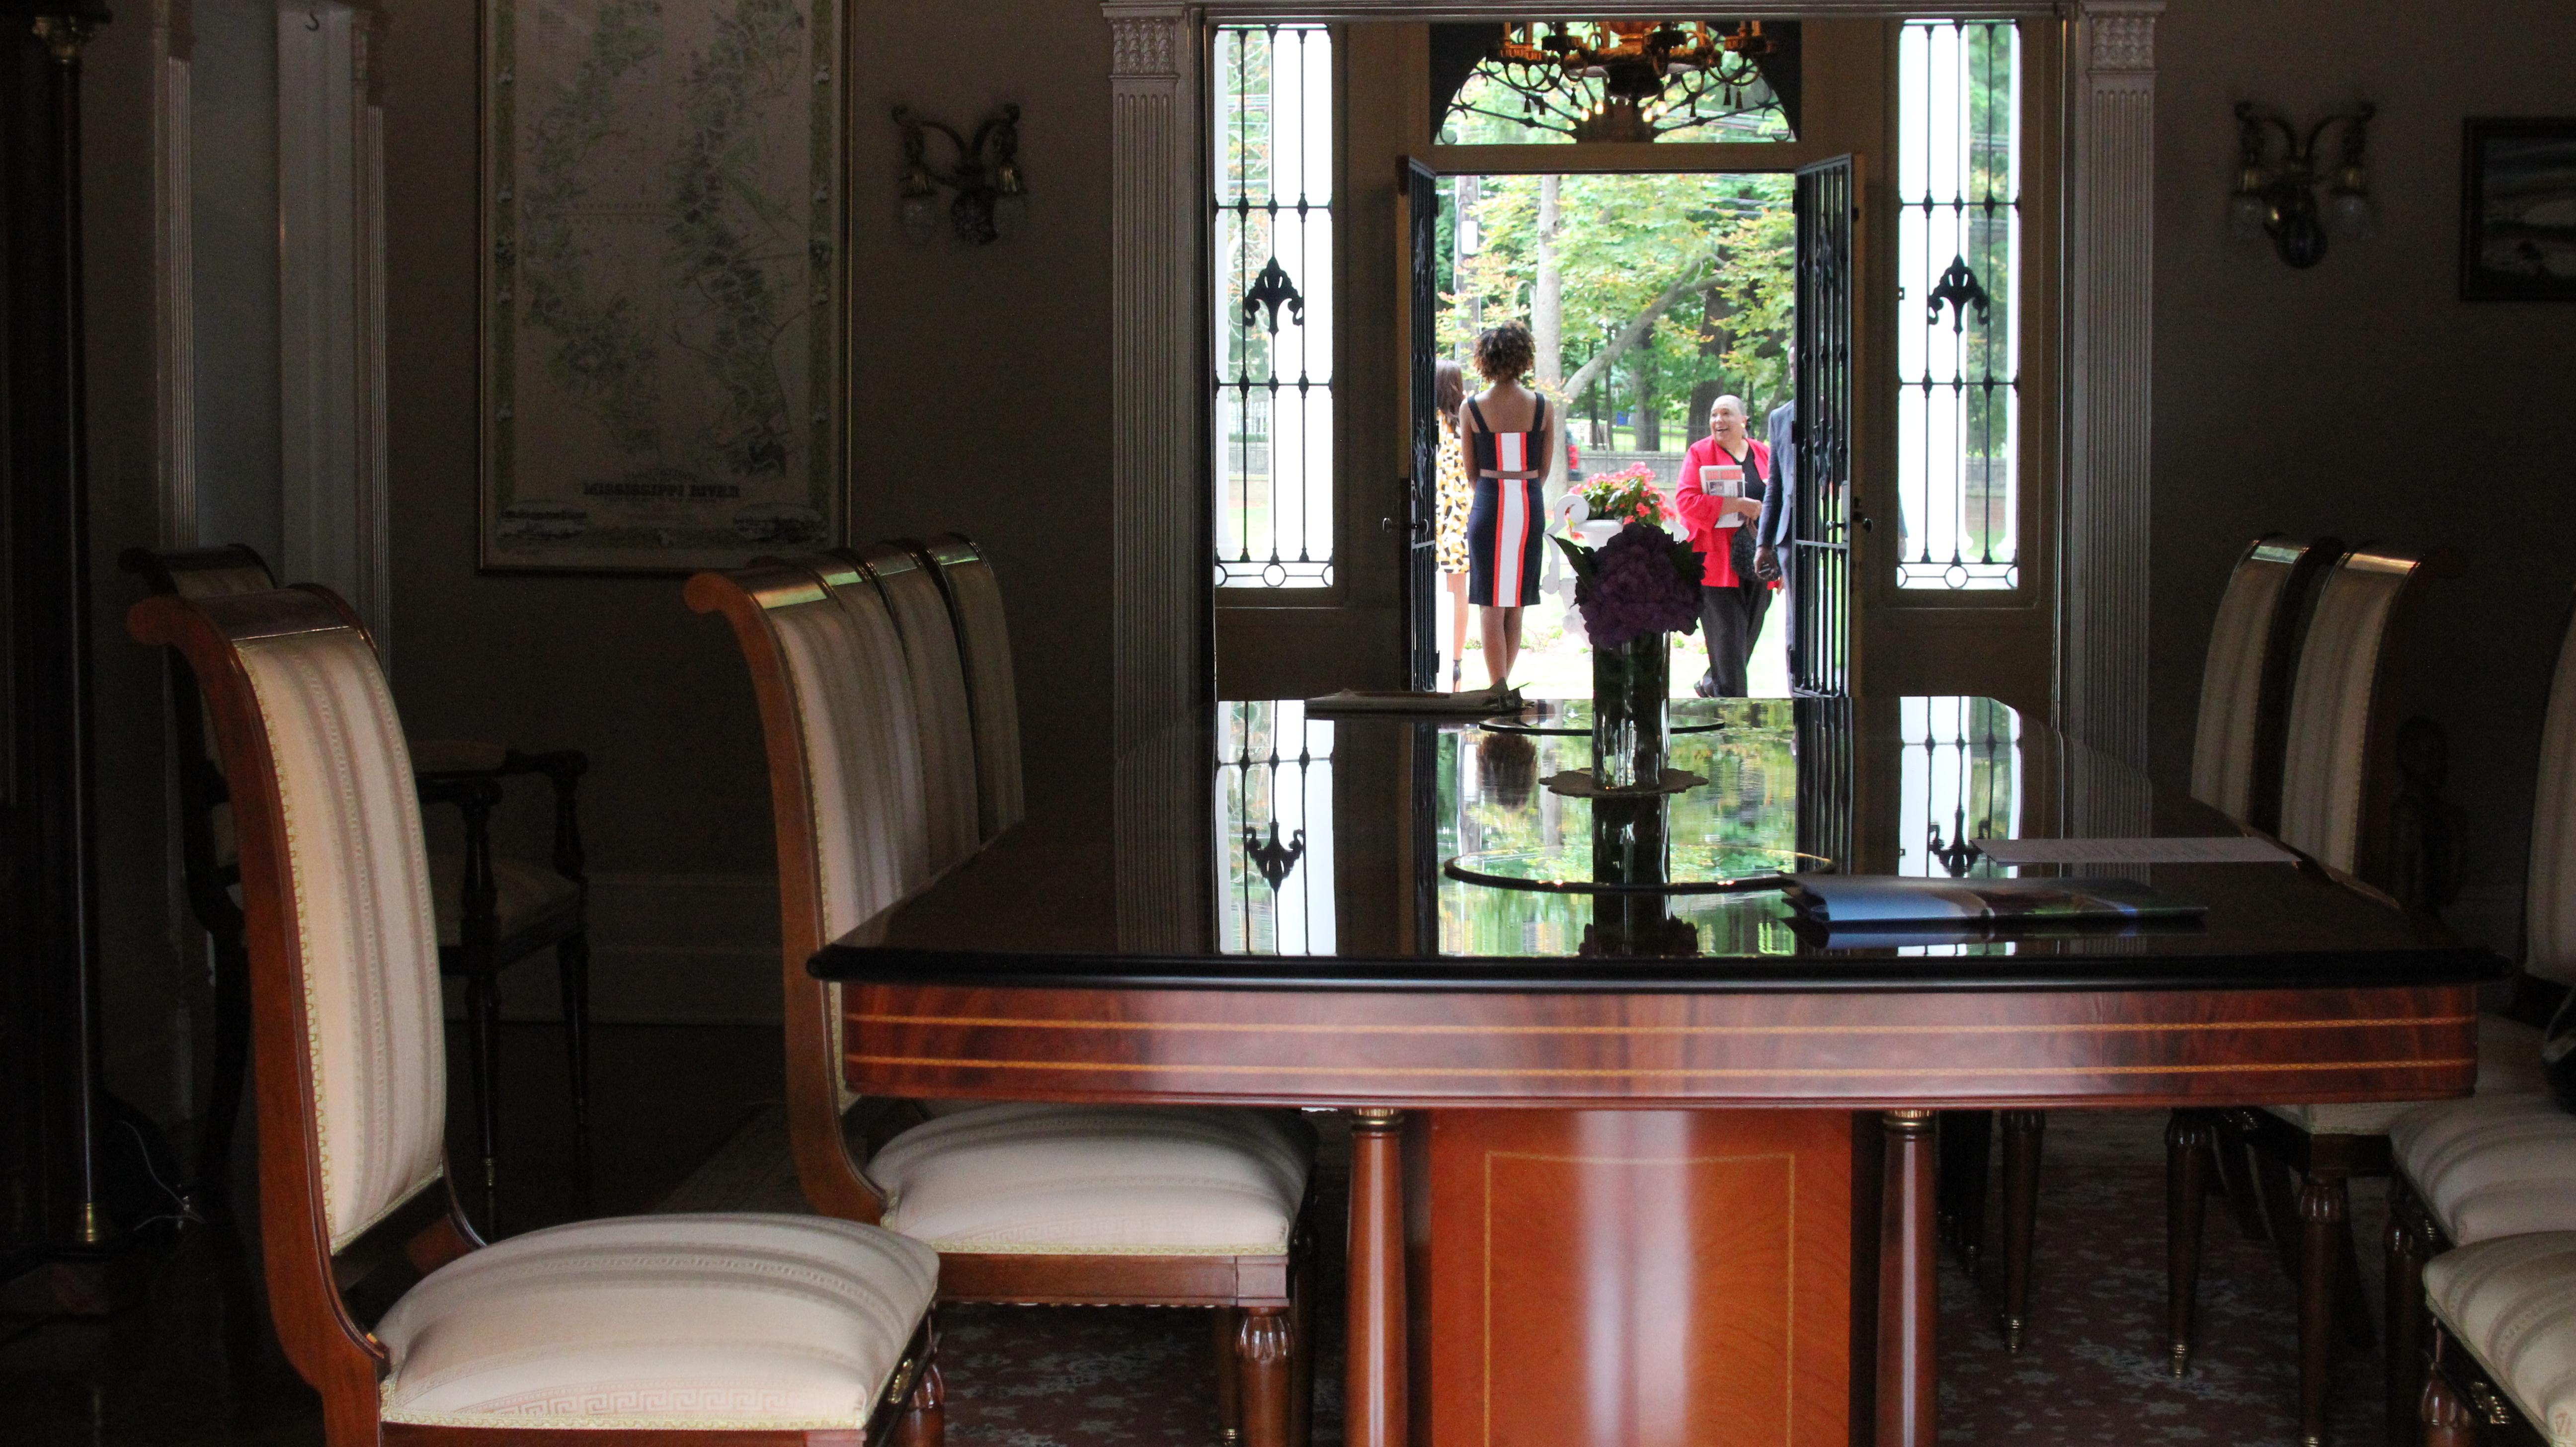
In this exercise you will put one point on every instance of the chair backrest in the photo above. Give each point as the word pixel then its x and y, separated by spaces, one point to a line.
pixel 847 797
pixel 2245 684
pixel 2336 781
pixel 343 949
pixel 938 672
pixel 206 830
pixel 2549 908
pixel 992 692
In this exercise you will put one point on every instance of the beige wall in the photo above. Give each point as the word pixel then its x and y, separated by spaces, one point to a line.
pixel 2362 399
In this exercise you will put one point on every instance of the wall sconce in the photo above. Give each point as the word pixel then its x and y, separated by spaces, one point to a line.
pixel 2279 199
pixel 992 202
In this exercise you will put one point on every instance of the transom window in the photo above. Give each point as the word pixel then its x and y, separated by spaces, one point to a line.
pixel 1273 259
pixel 1958 189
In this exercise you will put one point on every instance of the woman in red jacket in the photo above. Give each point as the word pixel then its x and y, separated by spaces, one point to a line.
pixel 1723 479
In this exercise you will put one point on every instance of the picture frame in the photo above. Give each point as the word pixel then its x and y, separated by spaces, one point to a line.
pixel 663 269
pixel 2518 209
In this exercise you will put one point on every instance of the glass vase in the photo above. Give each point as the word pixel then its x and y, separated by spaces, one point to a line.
pixel 1631 725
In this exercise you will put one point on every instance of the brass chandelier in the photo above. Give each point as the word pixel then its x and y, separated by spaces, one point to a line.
pixel 1624 80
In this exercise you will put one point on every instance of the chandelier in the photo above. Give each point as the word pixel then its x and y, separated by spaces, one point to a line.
pixel 1625 80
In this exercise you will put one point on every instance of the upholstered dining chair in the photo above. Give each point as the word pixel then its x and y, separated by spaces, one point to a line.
pixel 737 1329
pixel 2510 1304
pixel 2335 791
pixel 2503 1162
pixel 992 693
pixel 1026 1203
pixel 941 702
pixel 2238 742
pixel 493 910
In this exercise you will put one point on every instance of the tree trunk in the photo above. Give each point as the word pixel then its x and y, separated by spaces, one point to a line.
pixel 1714 339
pixel 1547 293
pixel 1648 423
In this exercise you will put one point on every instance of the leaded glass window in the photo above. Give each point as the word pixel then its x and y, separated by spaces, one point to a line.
pixel 1274 830
pixel 1959 236
pixel 1718 81
pixel 1962 783
pixel 1273 255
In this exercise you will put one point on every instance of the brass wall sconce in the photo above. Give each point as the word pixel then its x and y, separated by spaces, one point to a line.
pixel 2279 198
pixel 992 201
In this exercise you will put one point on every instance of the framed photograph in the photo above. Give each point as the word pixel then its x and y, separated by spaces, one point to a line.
pixel 2518 211
pixel 663 226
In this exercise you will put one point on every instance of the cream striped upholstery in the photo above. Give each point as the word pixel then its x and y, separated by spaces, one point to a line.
pixel 194 583
pixel 2327 766
pixel 759 1323
pixel 2496 1165
pixel 2512 1303
pixel 2549 936
pixel 939 699
pixel 363 925
pixel 2226 745
pixel 986 633
pixel 2508 1065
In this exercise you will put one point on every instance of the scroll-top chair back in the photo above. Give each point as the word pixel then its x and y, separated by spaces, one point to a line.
pixel 920 611
pixel 2549 939
pixel 984 637
pixel 2245 684
pixel 847 792
pixel 2334 788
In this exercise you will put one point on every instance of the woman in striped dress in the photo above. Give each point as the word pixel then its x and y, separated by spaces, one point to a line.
pixel 1510 438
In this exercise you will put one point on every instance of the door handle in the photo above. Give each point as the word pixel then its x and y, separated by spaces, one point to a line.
pixel 1416 530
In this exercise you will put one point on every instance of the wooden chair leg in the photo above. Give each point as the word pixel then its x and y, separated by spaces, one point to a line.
pixel 483 1053
pixel 924 1422
pixel 1962 1191
pixel 2352 1309
pixel 2405 1307
pixel 1301 1347
pixel 232 1068
pixel 1229 1376
pixel 572 967
pixel 2443 1411
pixel 2234 1171
pixel 2188 1137
pixel 2280 1191
pixel 2022 1136
pixel 1262 1347
pixel 2324 1215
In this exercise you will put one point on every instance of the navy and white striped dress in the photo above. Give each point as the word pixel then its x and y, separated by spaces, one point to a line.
pixel 1507 523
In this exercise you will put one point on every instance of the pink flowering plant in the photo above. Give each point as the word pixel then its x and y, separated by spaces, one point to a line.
pixel 1642 581
pixel 1630 495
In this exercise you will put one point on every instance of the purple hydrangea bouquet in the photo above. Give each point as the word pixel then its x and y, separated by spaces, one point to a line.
pixel 1634 592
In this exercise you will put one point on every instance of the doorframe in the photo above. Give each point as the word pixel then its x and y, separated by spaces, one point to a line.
pixel 1162 624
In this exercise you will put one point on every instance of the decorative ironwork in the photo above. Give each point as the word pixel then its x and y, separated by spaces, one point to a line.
pixel 1274 834
pixel 1273 289
pixel 1626 80
pixel 1275 860
pixel 1961 765
pixel 1272 208
pixel 1958 187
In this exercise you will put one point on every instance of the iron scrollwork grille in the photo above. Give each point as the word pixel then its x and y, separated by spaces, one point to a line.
pixel 1274 830
pixel 1273 250
pixel 1958 187
pixel 1962 783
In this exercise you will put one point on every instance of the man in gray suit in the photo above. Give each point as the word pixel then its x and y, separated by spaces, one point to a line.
pixel 1772 533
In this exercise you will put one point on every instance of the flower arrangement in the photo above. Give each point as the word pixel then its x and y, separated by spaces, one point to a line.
pixel 1644 580
pixel 1630 495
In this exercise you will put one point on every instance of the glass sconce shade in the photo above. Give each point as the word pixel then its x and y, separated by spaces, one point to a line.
pixel 2351 214
pixel 919 216
pixel 1011 214
pixel 2246 215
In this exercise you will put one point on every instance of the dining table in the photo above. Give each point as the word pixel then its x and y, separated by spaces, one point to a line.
pixel 1641 1152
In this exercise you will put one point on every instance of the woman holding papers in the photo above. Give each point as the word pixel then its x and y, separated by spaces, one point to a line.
pixel 1723 479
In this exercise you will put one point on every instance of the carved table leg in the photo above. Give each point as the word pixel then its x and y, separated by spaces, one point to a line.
pixel 2324 1210
pixel 1908 1287
pixel 1373 1407
pixel 2187 1154
pixel 2406 1247
pixel 2022 1136
pixel 1262 1348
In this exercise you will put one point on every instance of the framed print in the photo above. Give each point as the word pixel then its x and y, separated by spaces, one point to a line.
pixel 662 345
pixel 2518 211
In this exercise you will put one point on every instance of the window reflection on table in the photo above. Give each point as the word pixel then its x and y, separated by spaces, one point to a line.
pixel 1274 830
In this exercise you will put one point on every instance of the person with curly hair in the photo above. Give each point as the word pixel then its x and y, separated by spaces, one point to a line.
pixel 1509 437
pixel 1455 497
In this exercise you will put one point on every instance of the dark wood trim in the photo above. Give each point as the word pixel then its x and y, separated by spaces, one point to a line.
pixel 1048 1280
pixel 1909 1310
pixel 2280 669
pixel 1375 1402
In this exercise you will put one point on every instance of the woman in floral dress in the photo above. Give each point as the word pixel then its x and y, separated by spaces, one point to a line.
pixel 1455 496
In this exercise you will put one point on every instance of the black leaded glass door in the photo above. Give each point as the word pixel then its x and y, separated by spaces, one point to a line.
pixel 1820 590
pixel 1420 526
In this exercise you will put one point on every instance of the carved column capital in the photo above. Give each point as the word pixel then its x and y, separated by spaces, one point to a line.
pixel 2120 37
pixel 65 32
pixel 1145 41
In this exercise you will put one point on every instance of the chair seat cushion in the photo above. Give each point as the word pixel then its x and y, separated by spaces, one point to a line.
pixel 1094 1180
pixel 2508 1063
pixel 524 895
pixel 2496 1165
pixel 643 1322
pixel 2512 1303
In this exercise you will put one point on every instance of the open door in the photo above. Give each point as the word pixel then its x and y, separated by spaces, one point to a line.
pixel 1820 582
pixel 1420 186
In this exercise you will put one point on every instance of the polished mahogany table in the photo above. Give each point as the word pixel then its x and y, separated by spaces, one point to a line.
pixel 1639 1166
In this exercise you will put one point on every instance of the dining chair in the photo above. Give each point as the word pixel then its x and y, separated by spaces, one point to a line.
pixel 733 1329
pixel 1029 1203
pixel 2335 791
pixel 941 703
pixel 2510 1304
pixel 493 909
pixel 2503 1162
pixel 2237 745
pixel 984 638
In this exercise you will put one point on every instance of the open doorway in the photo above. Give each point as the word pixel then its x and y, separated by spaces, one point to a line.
pixel 1656 300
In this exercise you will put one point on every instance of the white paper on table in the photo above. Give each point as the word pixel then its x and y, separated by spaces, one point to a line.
pixel 2215 849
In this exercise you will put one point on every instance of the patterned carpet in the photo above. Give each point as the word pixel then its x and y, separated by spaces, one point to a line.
pixel 2093 1371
